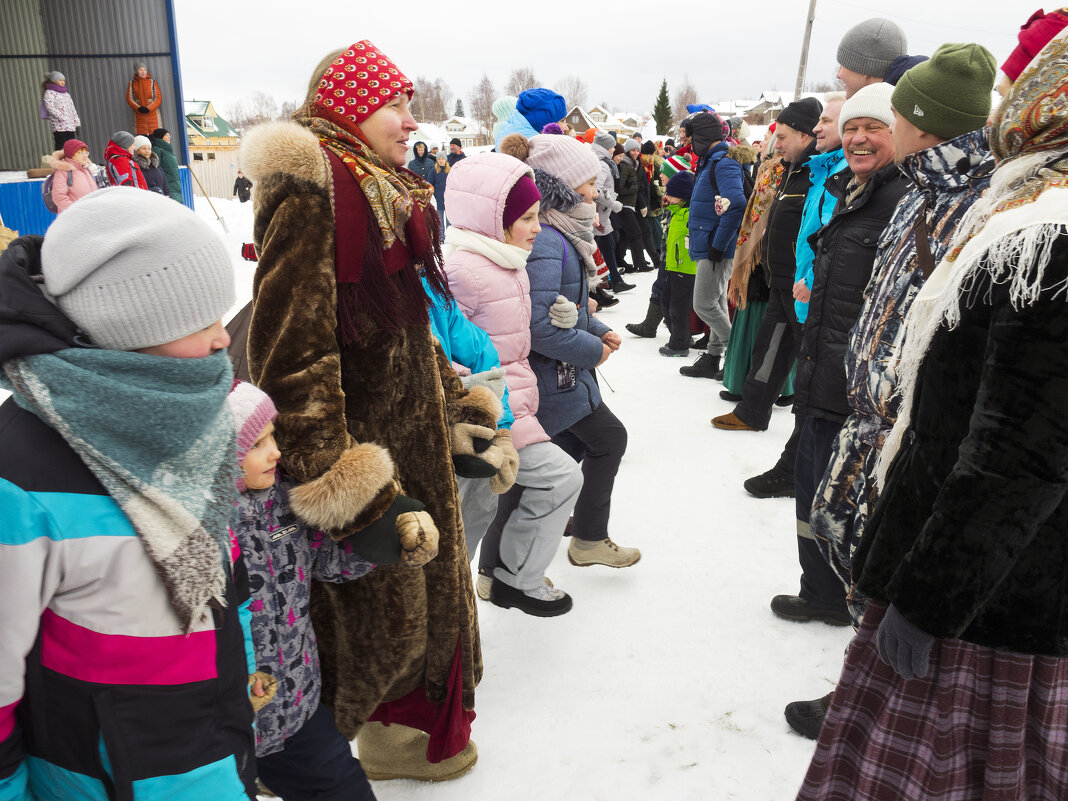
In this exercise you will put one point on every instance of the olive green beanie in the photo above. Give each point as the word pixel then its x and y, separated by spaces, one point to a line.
pixel 949 94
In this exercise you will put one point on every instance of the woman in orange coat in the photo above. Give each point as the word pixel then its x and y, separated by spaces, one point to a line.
pixel 144 97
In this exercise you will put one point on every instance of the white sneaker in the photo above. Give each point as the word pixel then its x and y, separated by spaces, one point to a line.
pixel 482 586
pixel 544 592
pixel 604 552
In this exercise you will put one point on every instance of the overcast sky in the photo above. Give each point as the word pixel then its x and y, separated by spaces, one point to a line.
pixel 621 49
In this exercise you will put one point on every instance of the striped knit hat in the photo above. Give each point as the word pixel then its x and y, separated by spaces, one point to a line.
pixel 675 164
pixel 252 410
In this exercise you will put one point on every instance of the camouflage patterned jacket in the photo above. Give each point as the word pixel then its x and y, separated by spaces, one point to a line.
pixel 282 556
pixel 946 180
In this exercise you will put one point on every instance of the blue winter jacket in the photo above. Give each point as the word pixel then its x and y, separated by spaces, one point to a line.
pixel 423 167
pixel 707 229
pixel 554 268
pixel 464 342
pixel 516 123
pixel 819 207
pixel 438 179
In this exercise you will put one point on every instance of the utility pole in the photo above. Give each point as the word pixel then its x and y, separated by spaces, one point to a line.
pixel 804 49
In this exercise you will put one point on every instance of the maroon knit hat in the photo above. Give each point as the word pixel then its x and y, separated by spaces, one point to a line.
pixel 523 195
pixel 72 146
pixel 1035 34
pixel 359 82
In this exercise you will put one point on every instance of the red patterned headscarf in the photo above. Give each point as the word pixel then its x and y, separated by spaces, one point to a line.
pixel 359 82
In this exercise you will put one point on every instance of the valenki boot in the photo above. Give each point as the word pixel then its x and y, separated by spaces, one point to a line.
pixel 647 327
pixel 399 752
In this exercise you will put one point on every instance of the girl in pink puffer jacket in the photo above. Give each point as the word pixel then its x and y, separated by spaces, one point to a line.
pixel 73 177
pixel 493 210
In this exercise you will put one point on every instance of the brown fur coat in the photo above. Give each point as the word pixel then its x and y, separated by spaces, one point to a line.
pixel 356 425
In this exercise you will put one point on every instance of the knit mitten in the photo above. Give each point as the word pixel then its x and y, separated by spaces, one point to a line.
pixel 268 683
pixel 563 313
pixel 492 378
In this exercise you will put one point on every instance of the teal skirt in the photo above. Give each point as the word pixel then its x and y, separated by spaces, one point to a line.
pixel 739 354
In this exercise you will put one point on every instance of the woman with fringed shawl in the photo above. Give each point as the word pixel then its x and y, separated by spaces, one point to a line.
pixel 370 411
pixel 956 686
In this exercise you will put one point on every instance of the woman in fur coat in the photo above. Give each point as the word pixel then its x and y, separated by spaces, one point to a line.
pixel 957 682
pixel 370 411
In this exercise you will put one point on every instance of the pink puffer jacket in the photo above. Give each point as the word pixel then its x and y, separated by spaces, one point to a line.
pixel 84 182
pixel 489 278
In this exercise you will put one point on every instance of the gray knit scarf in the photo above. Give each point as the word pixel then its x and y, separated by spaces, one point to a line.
pixel 157 433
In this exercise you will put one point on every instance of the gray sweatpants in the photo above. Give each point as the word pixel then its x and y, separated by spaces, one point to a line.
pixel 710 301
pixel 478 506
pixel 551 482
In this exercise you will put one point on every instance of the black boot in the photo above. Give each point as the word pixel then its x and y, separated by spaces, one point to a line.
pixel 647 327
pixel 806 717
pixel 705 367
pixel 700 344
pixel 619 285
pixel 604 300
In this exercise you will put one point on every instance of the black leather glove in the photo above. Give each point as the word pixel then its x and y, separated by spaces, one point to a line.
pixel 715 255
pixel 143 109
pixel 903 646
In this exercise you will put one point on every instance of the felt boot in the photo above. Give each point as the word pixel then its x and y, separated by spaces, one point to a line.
pixel 399 752
pixel 647 327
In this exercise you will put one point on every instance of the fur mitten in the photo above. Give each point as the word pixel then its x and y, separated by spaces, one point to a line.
pixel 563 313
pixel 509 460
pixel 493 379
pixel 418 538
pixel 268 683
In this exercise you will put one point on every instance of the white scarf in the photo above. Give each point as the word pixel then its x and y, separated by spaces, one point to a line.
pixel 510 257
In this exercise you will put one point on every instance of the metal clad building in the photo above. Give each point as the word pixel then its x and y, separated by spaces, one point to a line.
pixel 95 44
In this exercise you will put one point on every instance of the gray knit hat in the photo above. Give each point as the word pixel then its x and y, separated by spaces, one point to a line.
pixel 631 144
pixel 568 159
pixel 605 140
pixel 55 76
pixel 123 139
pixel 134 269
pixel 870 47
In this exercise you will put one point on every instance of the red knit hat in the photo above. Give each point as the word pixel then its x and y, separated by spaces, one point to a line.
pixel 72 146
pixel 1035 34
pixel 358 83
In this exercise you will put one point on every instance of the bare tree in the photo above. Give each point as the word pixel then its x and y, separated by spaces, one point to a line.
pixel 288 109
pixel 685 95
pixel 482 104
pixel 520 80
pixel 431 100
pixel 573 88
pixel 257 108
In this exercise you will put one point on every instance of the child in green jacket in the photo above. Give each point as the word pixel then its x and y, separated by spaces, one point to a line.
pixel 677 297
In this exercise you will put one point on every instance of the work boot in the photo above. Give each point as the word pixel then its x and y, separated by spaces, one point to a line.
pixel 399 752
pixel 806 717
pixel 771 484
pixel 619 285
pixel 705 367
pixel 802 610
pixel 605 552
pixel 667 350
pixel 604 300
pixel 731 422
pixel 700 344
pixel 647 327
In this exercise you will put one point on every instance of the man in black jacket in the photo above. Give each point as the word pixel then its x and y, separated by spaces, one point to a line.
pixel 779 337
pixel 844 250
pixel 242 187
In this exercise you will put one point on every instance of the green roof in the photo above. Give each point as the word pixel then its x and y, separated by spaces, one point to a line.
pixel 197 110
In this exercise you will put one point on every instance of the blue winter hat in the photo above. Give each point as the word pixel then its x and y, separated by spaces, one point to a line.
pixel 899 66
pixel 540 107
pixel 680 185
pixel 693 108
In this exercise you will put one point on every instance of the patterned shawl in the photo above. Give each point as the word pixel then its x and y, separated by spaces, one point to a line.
pixel 157 433
pixel 1007 235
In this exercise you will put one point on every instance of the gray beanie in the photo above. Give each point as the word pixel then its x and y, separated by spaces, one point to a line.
pixel 55 76
pixel 870 47
pixel 568 159
pixel 605 140
pixel 134 269
pixel 123 139
pixel 631 144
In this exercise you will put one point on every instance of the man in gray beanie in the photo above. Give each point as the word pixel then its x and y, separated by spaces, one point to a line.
pixel 866 52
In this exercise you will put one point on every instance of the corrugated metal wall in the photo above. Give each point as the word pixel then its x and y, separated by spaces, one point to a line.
pixel 76 38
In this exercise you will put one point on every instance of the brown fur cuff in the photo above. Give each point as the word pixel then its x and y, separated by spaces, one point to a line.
pixel 479 406
pixel 342 494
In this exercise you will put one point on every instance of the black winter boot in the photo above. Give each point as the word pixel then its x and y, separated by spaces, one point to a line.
pixel 700 344
pixel 647 327
pixel 705 367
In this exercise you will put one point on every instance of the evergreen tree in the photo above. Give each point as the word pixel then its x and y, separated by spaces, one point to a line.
pixel 459 108
pixel 662 109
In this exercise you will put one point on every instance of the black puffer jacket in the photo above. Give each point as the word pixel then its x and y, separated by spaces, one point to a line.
pixel 779 245
pixel 968 539
pixel 845 252
pixel 628 185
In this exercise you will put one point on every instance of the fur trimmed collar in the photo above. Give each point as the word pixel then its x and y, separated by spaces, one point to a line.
pixel 555 194
pixel 510 257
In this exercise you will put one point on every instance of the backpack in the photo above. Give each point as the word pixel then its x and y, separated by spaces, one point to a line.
pixel 748 183
pixel 46 190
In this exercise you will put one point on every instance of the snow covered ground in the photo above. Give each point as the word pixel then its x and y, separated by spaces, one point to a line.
pixel 667 680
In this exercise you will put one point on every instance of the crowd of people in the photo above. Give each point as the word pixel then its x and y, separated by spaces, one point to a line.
pixel 213 583
pixel 144 160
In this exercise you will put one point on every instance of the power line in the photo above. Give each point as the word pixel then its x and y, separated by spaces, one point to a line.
pixel 927 22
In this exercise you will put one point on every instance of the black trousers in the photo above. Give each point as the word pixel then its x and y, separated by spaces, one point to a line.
pixel 676 301
pixel 630 238
pixel 819 583
pixel 60 138
pixel 316 765
pixel 598 441
pixel 607 245
pixel 774 353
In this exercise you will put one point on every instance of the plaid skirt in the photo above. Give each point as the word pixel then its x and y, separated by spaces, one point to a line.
pixel 985 725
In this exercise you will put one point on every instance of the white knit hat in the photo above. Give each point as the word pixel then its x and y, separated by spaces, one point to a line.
pixel 872 101
pixel 568 159
pixel 134 269
pixel 140 142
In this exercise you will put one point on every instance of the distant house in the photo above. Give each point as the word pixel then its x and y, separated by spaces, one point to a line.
pixel 468 131
pixel 213 146
pixel 579 121
pixel 604 119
